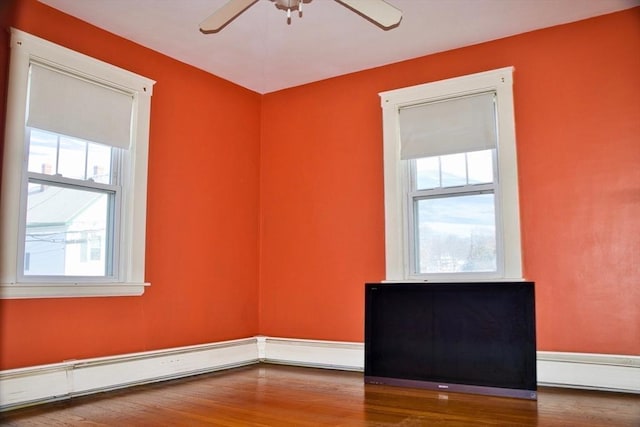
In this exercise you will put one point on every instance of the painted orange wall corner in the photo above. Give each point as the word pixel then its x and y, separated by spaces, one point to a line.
pixel 258 227
pixel 576 92
pixel 202 215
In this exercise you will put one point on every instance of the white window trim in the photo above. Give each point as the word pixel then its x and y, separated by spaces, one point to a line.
pixel 25 47
pixel 396 174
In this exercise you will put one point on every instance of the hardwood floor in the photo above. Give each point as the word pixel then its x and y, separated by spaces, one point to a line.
pixel 273 395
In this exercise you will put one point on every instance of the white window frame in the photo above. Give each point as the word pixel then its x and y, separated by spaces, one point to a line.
pixel 114 188
pixel 26 48
pixel 412 194
pixel 397 183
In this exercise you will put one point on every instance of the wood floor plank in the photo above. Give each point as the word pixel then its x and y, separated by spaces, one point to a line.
pixel 275 395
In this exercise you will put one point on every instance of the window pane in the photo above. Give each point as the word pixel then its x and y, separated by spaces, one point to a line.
pixel 99 163
pixel 72 158
pixel 454 170
pixel 62 225
pixel 456 234
pixel 43 148
pixel 480 166
pixel 427 173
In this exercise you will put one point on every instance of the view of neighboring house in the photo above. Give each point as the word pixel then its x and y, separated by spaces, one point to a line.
pixel 65 232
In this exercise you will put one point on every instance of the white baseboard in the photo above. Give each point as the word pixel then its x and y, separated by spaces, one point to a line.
pixel 589 371
pixel 556 369
pixel 346 356
pixel 39 384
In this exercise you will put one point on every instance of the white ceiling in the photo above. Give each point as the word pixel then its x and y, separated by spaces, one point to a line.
pixel 260 51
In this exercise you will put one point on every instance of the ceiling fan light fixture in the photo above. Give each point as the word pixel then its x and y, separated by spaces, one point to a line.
pixel 289 5
pixel 378 12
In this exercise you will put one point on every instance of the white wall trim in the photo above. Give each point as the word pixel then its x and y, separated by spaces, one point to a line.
pixel 396 175
pixel 607 372
pixel 346 356
pixel 25 49
pixel 57 290
pixel 46 383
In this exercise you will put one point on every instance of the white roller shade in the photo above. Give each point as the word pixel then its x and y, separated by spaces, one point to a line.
pixel 62 103
pixel 451 126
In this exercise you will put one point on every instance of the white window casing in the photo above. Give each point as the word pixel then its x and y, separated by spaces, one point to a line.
pixel 399 102
pixel 126 95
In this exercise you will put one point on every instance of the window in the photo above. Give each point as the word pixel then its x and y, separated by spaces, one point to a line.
pixel 74 175
pixel 73 195
pixel 451 196
pixel 452 222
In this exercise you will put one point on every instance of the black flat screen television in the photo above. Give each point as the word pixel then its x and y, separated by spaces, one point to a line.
pixel 462 337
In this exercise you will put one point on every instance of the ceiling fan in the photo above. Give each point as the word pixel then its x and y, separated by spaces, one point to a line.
pixel 379 12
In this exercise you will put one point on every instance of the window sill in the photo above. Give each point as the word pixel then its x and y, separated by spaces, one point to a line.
pixel 457 280
pixel 70 290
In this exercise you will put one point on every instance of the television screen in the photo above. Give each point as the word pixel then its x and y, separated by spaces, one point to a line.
pixel 466 337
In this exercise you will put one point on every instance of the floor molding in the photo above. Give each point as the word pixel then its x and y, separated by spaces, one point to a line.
pixel 589 371
pixel 346 356
pixel 59 381
pixel 47 383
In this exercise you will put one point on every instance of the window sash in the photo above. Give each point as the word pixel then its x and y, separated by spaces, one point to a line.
pixel 112 243
pixel 413 186
pixel 415 239
pixel 114 166
pixel 413 195
pixel 54 178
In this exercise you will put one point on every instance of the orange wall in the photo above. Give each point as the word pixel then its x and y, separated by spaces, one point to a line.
pixel 241 194
pixel 577 103
pixel 202 222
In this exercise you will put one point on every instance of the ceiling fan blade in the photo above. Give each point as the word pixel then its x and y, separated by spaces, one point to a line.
pixel 221 17
pixel 378 11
